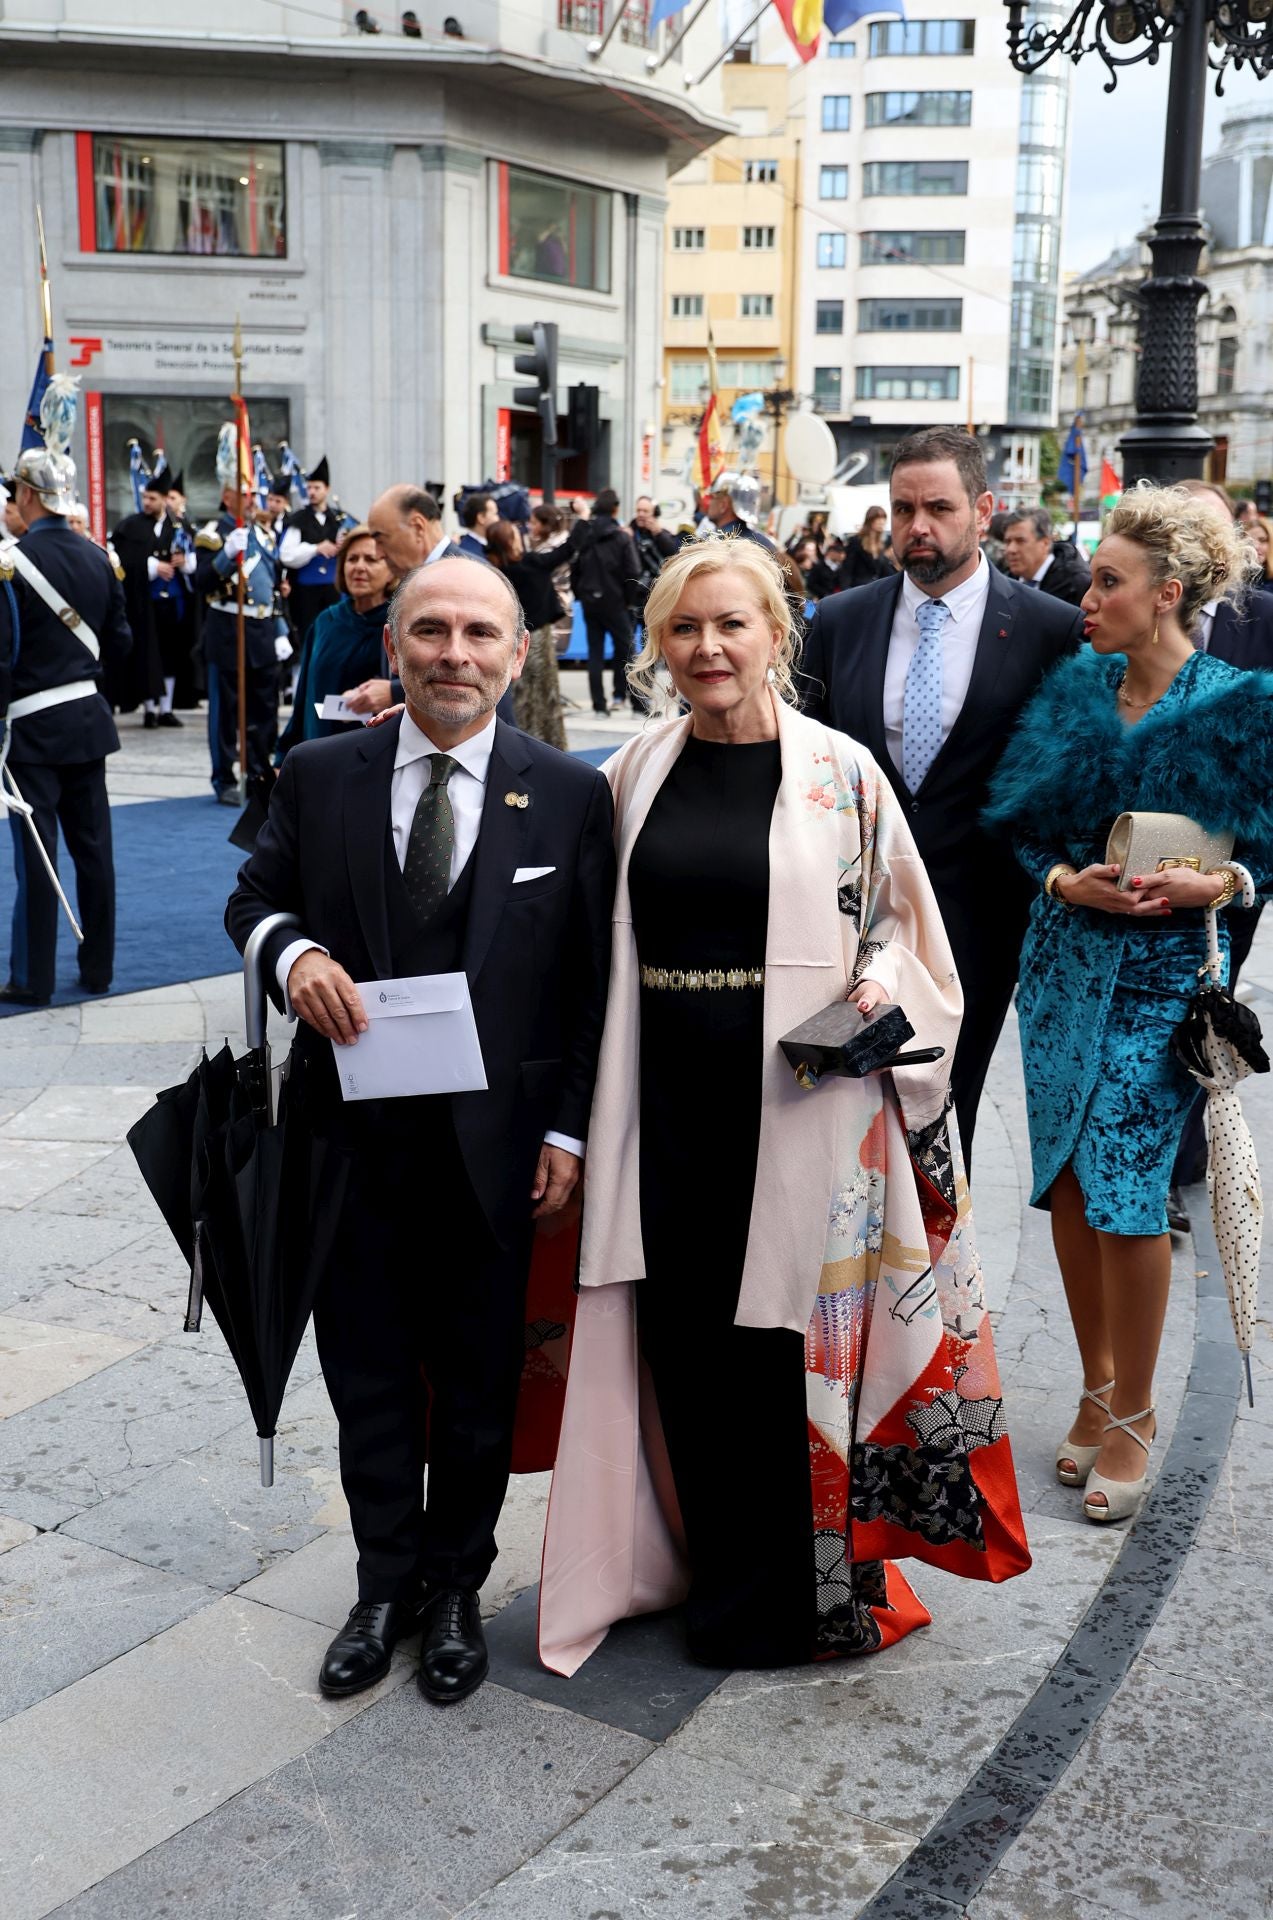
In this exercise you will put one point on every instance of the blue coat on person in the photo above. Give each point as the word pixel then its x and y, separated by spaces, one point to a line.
pixel 38 650
pixel 1100 994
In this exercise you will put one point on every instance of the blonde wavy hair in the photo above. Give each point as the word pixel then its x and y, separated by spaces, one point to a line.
pixel 648 675
pixel 1184 538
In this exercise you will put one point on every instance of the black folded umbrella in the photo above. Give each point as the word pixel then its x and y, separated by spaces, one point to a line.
pixel 253 1202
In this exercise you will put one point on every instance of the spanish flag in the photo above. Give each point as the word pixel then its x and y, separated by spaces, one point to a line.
pixel 709 454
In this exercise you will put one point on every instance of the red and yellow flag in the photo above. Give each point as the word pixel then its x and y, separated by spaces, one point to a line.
pixel 803 21
pixel 709 453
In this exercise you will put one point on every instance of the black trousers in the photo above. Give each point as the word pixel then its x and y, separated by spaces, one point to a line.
pixel 987 997
pixel 73 797
pixel 599 620
pixel 417 1290
pixel 1191 1155
pixel 223 721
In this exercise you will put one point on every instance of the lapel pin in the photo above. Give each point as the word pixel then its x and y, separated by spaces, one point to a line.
pixel 516 799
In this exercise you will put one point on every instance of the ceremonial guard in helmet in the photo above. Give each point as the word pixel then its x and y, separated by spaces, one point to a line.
pixel 62 623
pixel 223 547
pixel 311 539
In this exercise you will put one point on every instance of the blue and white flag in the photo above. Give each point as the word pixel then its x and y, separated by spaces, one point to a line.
pixel 1073 457
pixel 32 433
pixel 138 472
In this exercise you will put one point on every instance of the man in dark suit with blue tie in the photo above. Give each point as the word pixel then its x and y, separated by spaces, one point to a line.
pixel 62 623
pixel 930 670
pixel 443 841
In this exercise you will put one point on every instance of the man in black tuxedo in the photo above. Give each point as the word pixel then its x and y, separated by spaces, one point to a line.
pixel 62 626
pixel 442 841
pixel 930 670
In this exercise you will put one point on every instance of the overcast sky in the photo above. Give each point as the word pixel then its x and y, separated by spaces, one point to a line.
pixel 1116 151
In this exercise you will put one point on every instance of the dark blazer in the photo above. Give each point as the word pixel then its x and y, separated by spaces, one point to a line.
pixel 537 954
pixel 1069 576
pixel 1244 635
pixel 47 653
pixel 982 892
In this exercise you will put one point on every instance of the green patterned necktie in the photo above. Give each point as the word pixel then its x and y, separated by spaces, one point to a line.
pixel 426 871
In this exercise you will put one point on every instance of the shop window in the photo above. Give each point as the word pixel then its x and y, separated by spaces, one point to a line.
pixel 186 429
pixel 142 195
pixel 553 230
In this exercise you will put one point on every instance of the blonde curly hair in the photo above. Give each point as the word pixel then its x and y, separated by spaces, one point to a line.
pixel 1184 538
pixel 648 676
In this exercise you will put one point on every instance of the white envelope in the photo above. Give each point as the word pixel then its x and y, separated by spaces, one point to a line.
pixel 421 1038
pixel 334 708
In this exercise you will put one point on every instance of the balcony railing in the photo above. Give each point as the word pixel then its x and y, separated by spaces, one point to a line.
pixel 589 16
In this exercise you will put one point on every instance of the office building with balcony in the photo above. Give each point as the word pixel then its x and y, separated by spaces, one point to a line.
pixel 1235 319
pixel 378 210
pixel 930 251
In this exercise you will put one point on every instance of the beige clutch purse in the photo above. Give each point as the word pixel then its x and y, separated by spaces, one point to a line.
pixel 1142 843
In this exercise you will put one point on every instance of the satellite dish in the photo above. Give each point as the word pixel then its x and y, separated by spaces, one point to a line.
pixel 809 449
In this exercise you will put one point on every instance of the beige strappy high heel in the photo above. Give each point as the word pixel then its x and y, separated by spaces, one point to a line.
pixel 1122 1497
pixel 1074 1463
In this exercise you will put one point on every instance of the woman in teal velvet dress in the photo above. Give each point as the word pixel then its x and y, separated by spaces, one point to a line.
pixel 1138 720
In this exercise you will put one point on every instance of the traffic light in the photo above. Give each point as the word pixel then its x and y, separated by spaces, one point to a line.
pixel 1263 494
pixel 541 364
pixel 583 419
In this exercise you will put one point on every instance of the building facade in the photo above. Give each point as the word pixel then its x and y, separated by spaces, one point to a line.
pixel 1235 322
pixel 378 212
pixel 930 257
pixel 731 266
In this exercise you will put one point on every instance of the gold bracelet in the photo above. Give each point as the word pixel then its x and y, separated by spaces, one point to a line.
pixel 1227 891
pixel 1049 885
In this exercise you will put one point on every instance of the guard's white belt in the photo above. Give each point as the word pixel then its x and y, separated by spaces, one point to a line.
pixel 51 697
pixel 250 612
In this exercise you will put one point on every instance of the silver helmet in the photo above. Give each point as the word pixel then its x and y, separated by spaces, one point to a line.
pixel 50 475
pixel 743 490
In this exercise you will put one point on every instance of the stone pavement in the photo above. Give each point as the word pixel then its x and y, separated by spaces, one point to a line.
pixel 163 1747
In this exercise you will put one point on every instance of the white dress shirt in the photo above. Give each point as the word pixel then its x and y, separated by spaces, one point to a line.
pixel 467 791
pixel 1206 620
pixel 967 606
pixel 295 552
pixel 1040 573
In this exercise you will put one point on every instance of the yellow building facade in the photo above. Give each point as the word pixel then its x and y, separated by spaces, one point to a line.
pixel 731 262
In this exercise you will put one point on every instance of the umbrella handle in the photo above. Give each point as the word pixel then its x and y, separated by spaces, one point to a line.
pixel 256 1006
pixel 266 1443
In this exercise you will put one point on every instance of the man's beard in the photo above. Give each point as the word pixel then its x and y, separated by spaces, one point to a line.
pixel 930 573
pixel 449 705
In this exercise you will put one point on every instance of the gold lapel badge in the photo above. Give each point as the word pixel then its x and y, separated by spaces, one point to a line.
pixel 516 799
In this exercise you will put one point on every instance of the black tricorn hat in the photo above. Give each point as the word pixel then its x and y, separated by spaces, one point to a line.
pixel 177 483
pixel 321 473
pixel 160 481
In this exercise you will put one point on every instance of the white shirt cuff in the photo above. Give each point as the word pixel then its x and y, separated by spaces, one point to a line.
pixel 564 1140
pixel 152 567
pixel 189 562
pixel 286 961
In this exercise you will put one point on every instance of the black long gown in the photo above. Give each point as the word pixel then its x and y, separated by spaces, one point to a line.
pixel 731 1399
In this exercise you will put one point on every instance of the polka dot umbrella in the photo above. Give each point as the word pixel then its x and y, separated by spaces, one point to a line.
pixel 1220 1043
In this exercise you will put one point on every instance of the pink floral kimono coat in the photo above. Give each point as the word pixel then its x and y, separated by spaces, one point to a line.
pixel 860 1238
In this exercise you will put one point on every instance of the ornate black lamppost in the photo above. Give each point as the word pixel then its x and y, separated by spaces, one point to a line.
pixel 1167 442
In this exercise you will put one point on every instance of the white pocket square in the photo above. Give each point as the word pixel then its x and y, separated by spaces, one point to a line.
pixel 531 873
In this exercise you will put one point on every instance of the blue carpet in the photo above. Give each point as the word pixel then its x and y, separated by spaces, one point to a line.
pixel 174 869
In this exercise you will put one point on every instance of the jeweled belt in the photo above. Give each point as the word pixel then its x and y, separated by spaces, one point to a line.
pixel 701 979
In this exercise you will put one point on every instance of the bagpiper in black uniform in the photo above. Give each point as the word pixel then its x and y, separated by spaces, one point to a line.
pixel 312 574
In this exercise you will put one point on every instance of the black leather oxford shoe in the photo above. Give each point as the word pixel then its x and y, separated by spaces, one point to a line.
pixel 453 1660
pixel 361 1651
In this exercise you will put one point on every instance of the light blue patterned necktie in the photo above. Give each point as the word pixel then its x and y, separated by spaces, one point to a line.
pixel 921 701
